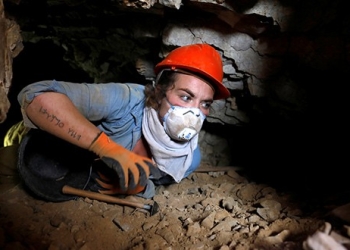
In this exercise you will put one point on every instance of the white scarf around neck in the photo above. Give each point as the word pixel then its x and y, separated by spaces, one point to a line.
pixel 173 158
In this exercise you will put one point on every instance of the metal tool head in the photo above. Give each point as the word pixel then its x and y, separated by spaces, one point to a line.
pixel 154 208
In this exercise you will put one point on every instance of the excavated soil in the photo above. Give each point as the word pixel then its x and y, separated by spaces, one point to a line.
pixel 211 209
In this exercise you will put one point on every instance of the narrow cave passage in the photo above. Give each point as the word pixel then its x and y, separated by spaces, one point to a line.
pixel 287 156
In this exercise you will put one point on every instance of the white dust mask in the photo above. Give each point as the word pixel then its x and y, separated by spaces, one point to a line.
pixel 181 123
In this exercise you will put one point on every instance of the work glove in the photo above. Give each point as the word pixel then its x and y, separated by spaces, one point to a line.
pixel 111 187
pixel 133 170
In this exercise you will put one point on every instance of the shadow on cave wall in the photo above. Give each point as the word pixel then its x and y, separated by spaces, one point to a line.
pixel 306 154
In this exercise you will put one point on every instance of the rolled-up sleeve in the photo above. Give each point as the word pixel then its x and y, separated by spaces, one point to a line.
pixel 116 108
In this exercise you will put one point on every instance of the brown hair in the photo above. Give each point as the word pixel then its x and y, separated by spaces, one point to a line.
pixel 156 92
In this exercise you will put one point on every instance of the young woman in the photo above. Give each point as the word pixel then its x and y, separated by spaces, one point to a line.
pixel 145 134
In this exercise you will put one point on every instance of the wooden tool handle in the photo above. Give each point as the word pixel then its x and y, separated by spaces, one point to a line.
pixel 206 169
pixel 100 197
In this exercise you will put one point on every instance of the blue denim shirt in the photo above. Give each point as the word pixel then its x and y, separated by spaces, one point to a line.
pixel 115 108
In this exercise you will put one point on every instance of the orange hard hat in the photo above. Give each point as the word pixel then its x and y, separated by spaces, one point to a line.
pixel 199 59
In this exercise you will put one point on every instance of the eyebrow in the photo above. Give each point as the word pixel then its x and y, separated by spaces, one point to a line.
pixel 192 94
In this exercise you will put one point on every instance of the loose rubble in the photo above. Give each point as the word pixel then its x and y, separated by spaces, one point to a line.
pixel 208 210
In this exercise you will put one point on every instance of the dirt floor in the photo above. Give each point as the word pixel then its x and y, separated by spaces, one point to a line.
pixel 211 209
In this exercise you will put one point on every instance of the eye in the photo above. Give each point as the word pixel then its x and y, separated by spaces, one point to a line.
pixel 186 98
pixel 206 105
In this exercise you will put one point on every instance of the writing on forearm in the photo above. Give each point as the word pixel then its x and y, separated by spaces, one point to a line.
pixel 74 134
pixel 52 118
pixel 57 122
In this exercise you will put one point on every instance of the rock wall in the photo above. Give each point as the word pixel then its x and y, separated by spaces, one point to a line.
pixel 10 46
pixel 284 63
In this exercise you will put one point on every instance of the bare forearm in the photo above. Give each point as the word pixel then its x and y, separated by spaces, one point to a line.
pixel 56 114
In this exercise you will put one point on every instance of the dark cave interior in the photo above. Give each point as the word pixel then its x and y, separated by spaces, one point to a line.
pixel 290 155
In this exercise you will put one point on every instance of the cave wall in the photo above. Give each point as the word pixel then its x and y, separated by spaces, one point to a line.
pixel 284 63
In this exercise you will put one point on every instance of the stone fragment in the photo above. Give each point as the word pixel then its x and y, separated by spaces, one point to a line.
pixel 187 222
pixel 79 236
pixel 224 237
pixel 226 225
pixel 112 213
pixel 208 222
pixel 155 242
pixel 248 192
pixel 221 214
pixel 171 3
pixel 279 238
pixel 270 211
pixel 229 203
pixel 198 246
pixel 267 214
pixel 148 225
pixel 227 187
pixel 170 233
pixel 210 201
pixel 225 247
pixel 193 229
pixel 254 219
pixel 124 226
pixel 233 174
pixel 272 204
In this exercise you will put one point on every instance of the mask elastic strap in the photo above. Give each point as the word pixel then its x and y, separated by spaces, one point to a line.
pixel 159 75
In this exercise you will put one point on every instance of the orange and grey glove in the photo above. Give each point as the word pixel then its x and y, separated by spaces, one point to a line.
pixel 132 169
pixel 111 186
